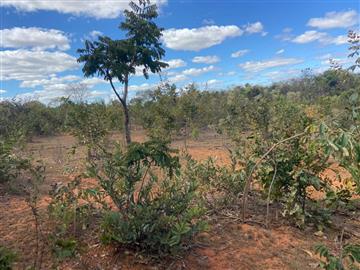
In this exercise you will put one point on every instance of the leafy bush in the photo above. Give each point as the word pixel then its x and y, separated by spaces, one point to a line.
pixel 11 165
pixel 70 211
pixel 220 185
pixel 156 209
pixel 87 122
pixel 344 145
pixel 347 259
pixel 7 258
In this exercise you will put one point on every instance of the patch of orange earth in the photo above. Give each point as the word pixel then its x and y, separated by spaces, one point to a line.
pixel 251 247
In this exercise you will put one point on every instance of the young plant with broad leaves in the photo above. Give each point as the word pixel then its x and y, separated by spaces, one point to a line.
pixel 155 205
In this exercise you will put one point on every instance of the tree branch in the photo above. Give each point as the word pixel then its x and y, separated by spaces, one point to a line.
pixel 249 179
pixel 115 91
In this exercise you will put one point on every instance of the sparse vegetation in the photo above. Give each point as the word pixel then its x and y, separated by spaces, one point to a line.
pixel 291 148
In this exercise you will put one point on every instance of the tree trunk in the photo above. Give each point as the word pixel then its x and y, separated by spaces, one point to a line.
pixel 127 125
pixel 126 114
pixel 123 101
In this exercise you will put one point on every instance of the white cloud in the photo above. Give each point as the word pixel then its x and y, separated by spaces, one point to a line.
pixel 322 37
pixel 310 36
pixel 95 33
pixel 95 8
pixel 175 63
pixel 48 82
pixel 280 51
pixel 334 19
pixel 55 87
pixel 178 78
pixel 2 91
pixel 91 82
pixel 33 37
pixel 239 53
pixel 285 34
pixel 213 82
pixel 253 28
pixel 51 94
pixel 279 75
pixel 196 39
pixel 198 71
pixel 210 84
pixel 256 66
pixel 142 87
pixel 342 61
pixel 342 39
pixel 25 65
pixel 211 59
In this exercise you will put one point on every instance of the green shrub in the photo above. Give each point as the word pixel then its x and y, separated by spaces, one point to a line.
pixel 11 166
pixel 65 248
pixel 347 259
pixel 7 258
pixel 220 185
pixel 71 211
pixel 156 210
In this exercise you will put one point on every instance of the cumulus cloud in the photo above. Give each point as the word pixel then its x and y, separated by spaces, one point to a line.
pixel 213 82
pixel 310 36
pixel 53 80
pixel 142 87
pixel 99 9
pixel 178 78
pixel 91 82
pixel 198 71
pixel 342 39
pixel 342 19
pixel 322 37
pixel 175 63
pixel 253 28
pixel 52 94
pixel 196 39
pixel 26 65
pixel 256 66
pixel 35 38
pixel 210 59
pixel 54 87
pixel 239 53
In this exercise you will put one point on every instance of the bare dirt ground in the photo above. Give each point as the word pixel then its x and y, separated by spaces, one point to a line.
pixel 229 244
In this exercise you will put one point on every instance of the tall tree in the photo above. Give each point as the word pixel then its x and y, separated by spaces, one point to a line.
pixel 119 59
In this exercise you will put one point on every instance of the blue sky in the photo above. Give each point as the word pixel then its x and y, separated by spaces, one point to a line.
pixel 216 44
